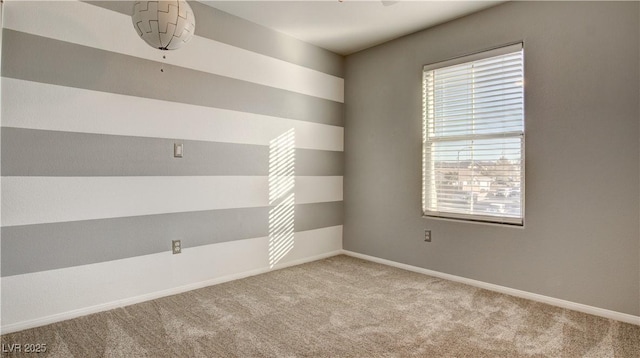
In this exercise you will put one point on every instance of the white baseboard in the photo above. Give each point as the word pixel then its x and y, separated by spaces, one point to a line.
pixel 82 290
pixel 152 296
pixel 618 316
pixel 41 321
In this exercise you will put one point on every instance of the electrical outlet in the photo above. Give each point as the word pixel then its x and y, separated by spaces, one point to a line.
pixel 176 246
pixel 427 235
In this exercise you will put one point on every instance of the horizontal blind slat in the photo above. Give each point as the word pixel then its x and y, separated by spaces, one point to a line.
pixel 477 78
pixel 452 95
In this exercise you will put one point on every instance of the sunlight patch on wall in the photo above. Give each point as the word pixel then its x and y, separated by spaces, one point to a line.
pixel 281 196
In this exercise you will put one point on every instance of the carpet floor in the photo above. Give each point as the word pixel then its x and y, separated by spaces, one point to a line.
pixel 337 307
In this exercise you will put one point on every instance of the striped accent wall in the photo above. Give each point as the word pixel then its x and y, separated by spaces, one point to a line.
pixel 91 192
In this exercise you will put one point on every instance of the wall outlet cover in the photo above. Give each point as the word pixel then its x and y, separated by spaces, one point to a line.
pixel 176 246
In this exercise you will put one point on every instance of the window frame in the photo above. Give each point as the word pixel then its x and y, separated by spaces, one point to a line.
pixel 478 218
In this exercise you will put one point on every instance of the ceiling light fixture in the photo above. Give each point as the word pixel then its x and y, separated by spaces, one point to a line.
pixel 165 25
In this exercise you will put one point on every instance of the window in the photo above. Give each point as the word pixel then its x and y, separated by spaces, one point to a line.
pixel 473 137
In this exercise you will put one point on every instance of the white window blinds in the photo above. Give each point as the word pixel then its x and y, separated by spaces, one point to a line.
pixel 473 137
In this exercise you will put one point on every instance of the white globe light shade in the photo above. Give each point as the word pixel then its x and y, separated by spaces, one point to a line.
pixel 165 25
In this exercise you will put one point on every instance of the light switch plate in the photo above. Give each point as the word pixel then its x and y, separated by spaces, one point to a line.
pixel 178 150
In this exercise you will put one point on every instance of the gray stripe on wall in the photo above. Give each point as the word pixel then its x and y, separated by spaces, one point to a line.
pixel 124 7
pixel 310 162
pixel 40 59
pixel 30 152
pixel 318 215
pixel 76 243
pixel 235 31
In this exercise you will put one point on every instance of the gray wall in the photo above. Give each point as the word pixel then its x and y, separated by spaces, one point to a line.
pixel 31 151
pixel 92 195
pixel 581 237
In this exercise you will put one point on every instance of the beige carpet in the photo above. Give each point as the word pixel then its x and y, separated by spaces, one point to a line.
pixel 337 307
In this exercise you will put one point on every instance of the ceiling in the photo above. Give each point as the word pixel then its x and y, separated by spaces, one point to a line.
pixel 351 25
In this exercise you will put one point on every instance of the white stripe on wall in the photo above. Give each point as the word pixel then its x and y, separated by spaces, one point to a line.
pixel 37 200
pixel 88 25
pixel 318 189
pixel 40 298
pixel 35 105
